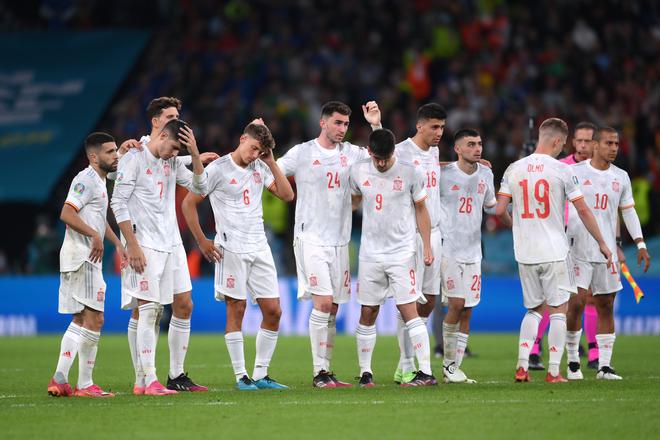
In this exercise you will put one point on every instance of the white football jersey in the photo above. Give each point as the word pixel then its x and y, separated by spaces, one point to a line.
pixel 323 205
pixel 605 192
pixel 144 193
pixel 428 163
pixel 89 196
pixel 235 195
pixel 539 186
pixel 388 212
pixel 464 196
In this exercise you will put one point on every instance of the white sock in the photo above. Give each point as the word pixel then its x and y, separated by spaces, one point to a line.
pixel 89 344
pixel 159 315
pixel 366 342
pixel 605 347
pixel 330 346
pixel 528 330
pixel 132 346
pixel 461 345
pixel 146 341
pixel 178 337
pixel 556 341
pixel 449 332
pixel 419 338
pixel 68 351
pixel 406 354
pixel 266 342
pixel 318 337
pixel 234 341
pixel 573 345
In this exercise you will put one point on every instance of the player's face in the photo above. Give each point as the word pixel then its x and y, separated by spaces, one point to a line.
pixel 608 146
pixel 165 116
pixel 107 157
pixel 382 163
pixel 334 127
pixel 431 130
pixel 169 147
pixel 469 149
pixel 583 142
pixel 249 149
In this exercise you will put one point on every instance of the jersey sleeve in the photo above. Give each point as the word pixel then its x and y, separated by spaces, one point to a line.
pixel 127 172
pixel 213 178
pixel 289 162
pixel 505 189
pixel 417 188
pixel 191 181
pixel 184 160
pixel 489 197
pixel 571 185
pixel 269 179
pixel 627 200
pixel 80 193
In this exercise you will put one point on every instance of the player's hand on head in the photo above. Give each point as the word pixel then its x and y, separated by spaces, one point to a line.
pixel 210 251
pixel 96 255
pixel 371 113
pixel 136 258
pixel 267 155
pixel 208 157
pixel 187 138
pixel 643 254
pixel 127 145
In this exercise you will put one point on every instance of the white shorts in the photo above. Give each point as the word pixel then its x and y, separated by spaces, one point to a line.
pixel 322 270
pixel 461 280
pixel 181 275
pixel 552 283
pixel 597 276
pixel 237 275
pixel 154 284
pixel 378 281
pixel 80 288
pixel 430 275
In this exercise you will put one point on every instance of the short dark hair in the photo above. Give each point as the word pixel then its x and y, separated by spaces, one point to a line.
pixel 604 129
pixel 96 139
pixel 381 142
pixel 156 106
pixel 555 125
pixel 262 134
pixel 431 111
pixel 584 125
pixel 335 107
pixel 173 128
pixel 465 132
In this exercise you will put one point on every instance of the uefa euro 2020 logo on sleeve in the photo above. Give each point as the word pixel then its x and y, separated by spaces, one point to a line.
pixel 79 188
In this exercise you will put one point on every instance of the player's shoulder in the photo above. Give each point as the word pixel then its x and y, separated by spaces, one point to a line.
pixel 483 170
pixel 618 171
pixel 349 148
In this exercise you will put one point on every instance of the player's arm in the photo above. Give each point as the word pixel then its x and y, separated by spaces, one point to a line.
pixel 110 234
pixel 502 206
pixel 198 183
pixel 189 208
pixel 634 227
pixel 280 186
pixel 372 115
pixel 590 223
pixel 505 218
pixel 121 193
pixel 423 220
pixel 72 219
pixel 356 200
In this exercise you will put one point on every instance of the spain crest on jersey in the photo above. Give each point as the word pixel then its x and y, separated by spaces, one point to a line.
pixel 343 161
pixel 167 169
pixel 257 177
pixel 481 188
pixel 397 184
pixel 615 186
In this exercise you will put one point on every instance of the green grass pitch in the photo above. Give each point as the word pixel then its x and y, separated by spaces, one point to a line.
pixel 494 408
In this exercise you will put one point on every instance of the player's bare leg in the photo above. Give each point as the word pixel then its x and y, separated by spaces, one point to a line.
pixel 605 336
pixel 266 342
pixel 59 383
pixel 234 341
pixel 574 333
pixel 178 338
pixel 450 327
pixel 365 335
pixel 421 344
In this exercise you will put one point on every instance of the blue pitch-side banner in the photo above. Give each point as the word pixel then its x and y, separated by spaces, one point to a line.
pixel 53 88
pixel 28 305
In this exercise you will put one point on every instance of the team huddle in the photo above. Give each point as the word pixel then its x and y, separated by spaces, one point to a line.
pixel 420 243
